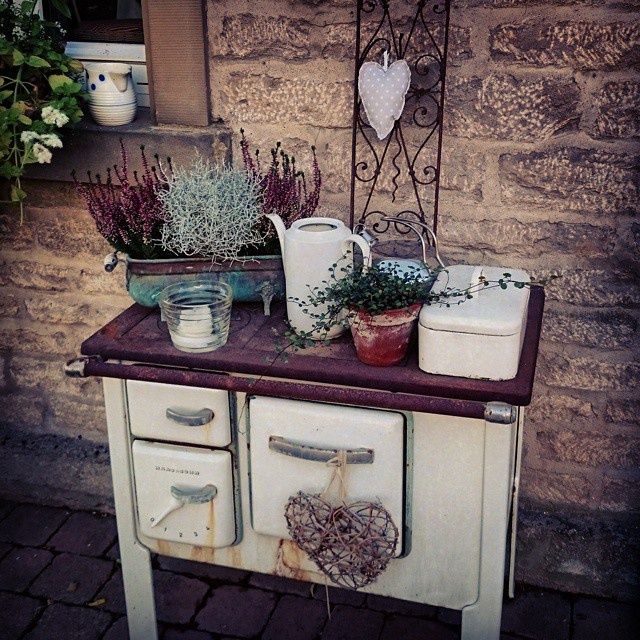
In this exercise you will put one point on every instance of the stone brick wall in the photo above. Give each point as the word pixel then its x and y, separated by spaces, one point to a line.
pixel 540 172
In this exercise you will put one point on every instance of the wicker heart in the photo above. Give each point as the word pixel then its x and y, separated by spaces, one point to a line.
pixel 382 92
pixel 351 544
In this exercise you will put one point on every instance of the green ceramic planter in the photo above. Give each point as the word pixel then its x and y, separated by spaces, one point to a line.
pixel 259 278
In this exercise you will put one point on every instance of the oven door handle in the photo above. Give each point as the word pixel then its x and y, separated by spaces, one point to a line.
pixel 189 418
pixel 317 454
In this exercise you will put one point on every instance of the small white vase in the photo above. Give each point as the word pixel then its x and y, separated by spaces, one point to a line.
pixel 112 98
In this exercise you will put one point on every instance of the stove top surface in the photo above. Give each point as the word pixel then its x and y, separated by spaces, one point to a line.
pixel 255 348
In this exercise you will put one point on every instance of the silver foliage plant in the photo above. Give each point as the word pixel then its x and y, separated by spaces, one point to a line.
pixel 211 212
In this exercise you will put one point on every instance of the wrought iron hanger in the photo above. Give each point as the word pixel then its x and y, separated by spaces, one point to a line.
pixel 413 150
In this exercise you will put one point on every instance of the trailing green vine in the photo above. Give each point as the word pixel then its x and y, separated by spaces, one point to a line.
pixel 350 290
pixel 39 92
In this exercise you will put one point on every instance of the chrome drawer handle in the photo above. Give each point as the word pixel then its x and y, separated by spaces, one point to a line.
pixel 190 418
pixel 317 454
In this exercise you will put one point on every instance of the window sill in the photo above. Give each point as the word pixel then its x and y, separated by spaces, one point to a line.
pixel 92 147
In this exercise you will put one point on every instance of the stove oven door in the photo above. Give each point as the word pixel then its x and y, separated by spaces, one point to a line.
pixel 291 441
pixel 184 494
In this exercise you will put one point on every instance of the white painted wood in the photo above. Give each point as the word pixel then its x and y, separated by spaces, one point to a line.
pixel 106 51
pixel 136 560
pixel 275 477
pixel 160 467
pixel 481 620
pixel 148 404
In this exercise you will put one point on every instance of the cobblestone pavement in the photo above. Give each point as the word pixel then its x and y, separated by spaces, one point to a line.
pixel 60 580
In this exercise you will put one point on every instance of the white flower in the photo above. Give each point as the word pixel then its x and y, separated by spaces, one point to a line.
pixel 28 136
pixel 18 33
pixel 51 115
pixel 51 140
pixel 41 153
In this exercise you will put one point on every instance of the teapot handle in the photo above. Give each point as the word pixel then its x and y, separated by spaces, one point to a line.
pixel 364 247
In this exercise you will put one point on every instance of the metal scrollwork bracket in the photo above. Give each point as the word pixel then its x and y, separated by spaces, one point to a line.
pixel 400 175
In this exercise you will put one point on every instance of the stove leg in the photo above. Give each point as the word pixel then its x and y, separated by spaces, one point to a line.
pixel 481 620
pixel 136 559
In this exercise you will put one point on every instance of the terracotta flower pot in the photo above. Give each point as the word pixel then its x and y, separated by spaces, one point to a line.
pixel 382 340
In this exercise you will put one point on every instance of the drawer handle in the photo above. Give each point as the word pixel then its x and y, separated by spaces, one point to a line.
pixel 181 497
pixel 195 496
pixel 190 418
pixel 317 454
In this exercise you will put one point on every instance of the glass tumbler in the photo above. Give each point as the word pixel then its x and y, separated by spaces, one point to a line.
pixel 197 314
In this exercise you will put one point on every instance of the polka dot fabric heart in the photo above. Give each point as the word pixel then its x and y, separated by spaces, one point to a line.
pixel 382 91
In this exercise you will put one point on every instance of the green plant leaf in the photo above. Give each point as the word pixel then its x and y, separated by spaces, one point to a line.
pixel 37 62
pixel 5 94
pixel 57 81
pixel 25 119
pixel 61 6
pixel 17 194
pixel 17 58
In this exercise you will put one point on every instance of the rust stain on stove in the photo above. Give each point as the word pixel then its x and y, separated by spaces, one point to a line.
pixel 202 554
pixel 236 556
pixel 290 561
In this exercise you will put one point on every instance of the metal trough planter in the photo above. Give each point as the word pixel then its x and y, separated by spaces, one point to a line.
pixel 257 278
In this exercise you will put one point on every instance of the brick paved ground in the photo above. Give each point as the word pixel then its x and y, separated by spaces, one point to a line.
pixel 60 580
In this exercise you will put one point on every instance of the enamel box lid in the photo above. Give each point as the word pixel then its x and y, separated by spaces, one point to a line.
pixel 492 311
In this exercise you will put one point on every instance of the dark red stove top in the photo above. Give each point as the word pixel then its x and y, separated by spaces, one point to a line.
pixel 137 335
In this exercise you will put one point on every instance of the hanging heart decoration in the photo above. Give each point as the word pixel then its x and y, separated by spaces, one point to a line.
pixel 382 91
pixel 350 543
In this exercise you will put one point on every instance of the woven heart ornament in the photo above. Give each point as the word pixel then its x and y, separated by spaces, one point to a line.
pixel 382 91
pixel 350 543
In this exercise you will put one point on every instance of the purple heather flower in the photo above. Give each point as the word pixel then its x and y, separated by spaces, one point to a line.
pixel 283 186
pixel 129 214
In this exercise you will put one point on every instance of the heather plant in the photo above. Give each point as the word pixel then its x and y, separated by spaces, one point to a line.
pixel 211 212
pixel 129 214
pixel 39 93
pixel 282 185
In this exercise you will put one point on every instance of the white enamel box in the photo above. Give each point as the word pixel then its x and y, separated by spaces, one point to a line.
pixel 480 337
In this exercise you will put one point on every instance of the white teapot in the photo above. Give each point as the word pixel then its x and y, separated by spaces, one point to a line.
pixel 310 247
pixel 112 98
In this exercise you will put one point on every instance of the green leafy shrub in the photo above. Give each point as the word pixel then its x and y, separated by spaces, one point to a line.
pixel 38 91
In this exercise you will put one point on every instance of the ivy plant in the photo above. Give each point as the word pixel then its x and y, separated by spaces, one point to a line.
pixel 350 290
pixel 39 90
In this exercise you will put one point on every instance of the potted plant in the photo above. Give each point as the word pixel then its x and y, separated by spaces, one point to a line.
pixel 379 304
pixel 39 93
pixel 173 225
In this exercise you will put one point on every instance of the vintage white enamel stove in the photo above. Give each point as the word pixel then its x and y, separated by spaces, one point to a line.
pixel 207 448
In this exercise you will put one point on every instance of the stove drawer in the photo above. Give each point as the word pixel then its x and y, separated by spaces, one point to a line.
pixel 290 441
pixel 179 414
pixel 184 494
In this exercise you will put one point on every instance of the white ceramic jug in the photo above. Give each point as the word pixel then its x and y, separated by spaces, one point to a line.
pixel 310 247
pixel 112 98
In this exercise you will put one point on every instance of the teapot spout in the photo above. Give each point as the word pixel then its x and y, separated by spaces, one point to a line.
pixel 280 229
